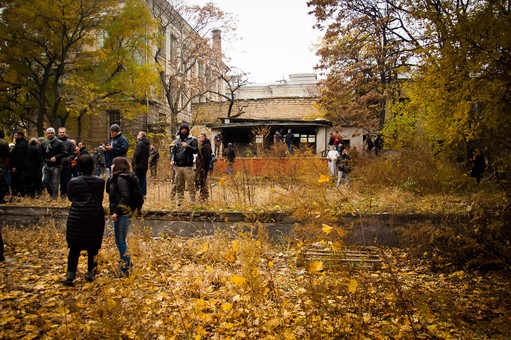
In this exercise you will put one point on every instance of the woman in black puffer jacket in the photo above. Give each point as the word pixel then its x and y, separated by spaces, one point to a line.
pixel 120 187
pixel 86 220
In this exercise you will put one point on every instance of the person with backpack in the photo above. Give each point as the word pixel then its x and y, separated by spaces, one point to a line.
pixel 123 190
pixel 344 169
pixel 86 220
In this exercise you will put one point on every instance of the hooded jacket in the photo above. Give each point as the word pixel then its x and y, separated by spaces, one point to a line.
pixel 183 156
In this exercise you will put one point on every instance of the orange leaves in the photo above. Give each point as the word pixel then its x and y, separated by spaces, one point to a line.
pixel 323 179
pixel 315 267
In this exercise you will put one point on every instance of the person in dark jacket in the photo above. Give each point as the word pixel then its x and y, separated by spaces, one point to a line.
pixel 17 165
pixel 66 173
pixel 82 148
pixel 4 155
pixel 117 147
pixel 477 165
pixel 141 161
pixel 86 220
pixel 343 169
pixel 181 155
pixel 154 157
pixel 289 141
pixel 230 155
pixel 34 164
pixel 202 166
pixel 120 187
pixel 53 151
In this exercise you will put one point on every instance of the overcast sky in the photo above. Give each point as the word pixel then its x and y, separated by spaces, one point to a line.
pixel 276 38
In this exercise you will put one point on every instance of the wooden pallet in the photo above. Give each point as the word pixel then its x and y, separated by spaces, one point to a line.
pixel 367 259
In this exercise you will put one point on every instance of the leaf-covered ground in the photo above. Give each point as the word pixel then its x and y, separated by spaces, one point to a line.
pixel 236 286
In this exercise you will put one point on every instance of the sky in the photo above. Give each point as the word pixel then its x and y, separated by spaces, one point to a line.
pixel 277 38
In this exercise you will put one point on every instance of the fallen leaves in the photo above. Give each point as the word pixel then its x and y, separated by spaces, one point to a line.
pixel 179 289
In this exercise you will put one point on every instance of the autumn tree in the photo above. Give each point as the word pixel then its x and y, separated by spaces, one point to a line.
pixel 363 52
pixel 120 73
pixel 41 40
pixel 186 52
pixel 460 97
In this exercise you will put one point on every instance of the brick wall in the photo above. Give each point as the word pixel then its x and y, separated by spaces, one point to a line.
pixel 264 108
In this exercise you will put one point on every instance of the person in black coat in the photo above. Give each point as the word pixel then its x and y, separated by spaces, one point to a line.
pixel 120 187
pixel 202 166
pixel 141 161
pixel 17 165
pixel 477 165
pixel 34 164
pixel 86 220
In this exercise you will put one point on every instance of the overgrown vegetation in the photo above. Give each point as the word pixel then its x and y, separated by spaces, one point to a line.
pixel 447 281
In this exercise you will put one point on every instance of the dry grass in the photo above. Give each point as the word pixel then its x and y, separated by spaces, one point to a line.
pixel 411 182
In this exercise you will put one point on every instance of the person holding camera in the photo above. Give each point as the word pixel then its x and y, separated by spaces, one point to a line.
pixel 344 169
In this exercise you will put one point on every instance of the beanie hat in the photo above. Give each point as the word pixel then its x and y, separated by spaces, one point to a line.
pixel 115 128
pixel 50 129
pixel 184 125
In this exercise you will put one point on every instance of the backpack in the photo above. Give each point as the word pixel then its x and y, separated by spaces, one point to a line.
pixel 136 197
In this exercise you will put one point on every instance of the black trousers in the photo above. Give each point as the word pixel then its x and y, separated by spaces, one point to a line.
pixel 1 245
pixel 74 255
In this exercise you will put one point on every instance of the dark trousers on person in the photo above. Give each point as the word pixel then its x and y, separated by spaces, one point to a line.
pixel 33 185
pixel 201 179
pixel 65 177
pixel 17 183
pixel 154 170
pixel 2 258
pixel 142 180
pixel 72 262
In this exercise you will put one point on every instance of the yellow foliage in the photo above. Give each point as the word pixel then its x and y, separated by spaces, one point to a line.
pixel 237 280
pixel 327 229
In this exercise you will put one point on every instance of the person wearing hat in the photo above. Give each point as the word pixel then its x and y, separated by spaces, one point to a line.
pixel 117 147
pixel 181 156
pixel 53 151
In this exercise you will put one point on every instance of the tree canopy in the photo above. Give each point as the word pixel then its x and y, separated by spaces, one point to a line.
pixel 449 60
pixel 59 56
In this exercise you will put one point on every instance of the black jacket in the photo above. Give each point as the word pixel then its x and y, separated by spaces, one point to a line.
pixel 184 156
pixel 230 154
pixel 33 161
pixel 141 155
pixel 119 187
pixel 18 153
pixel 204 157
pixel 55 149
pixel 290 138
pixel 70 150
pixel 86 220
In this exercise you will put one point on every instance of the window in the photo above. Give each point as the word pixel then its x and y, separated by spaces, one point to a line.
pixel 114 117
